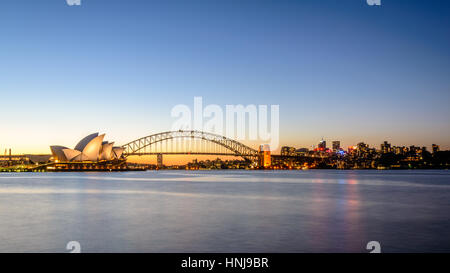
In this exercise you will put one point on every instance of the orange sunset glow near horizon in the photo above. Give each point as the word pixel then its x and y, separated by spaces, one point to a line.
pixel 40 141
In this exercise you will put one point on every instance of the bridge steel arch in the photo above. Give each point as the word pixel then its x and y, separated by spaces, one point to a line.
pixel 236 148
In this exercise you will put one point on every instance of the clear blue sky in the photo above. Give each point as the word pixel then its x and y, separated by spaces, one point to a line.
pixel 338 69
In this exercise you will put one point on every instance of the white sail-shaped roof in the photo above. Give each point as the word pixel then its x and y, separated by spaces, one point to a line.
pixel 91 151
pixel 106 151
pixel 57 152
pixel 90 148
pixel 78 158
pixel 71 154
pixel 85 141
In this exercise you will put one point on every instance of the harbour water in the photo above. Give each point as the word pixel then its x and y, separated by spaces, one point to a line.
pixel 226 211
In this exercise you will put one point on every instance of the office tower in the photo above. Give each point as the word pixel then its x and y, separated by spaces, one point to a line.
pixel 322 145
pixel 336 145
pixel 385 147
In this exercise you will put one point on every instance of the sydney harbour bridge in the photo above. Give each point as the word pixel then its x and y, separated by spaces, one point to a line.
pixel 188 143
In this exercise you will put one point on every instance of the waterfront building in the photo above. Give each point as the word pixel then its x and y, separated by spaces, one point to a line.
pixel 302 152
pixel 92 148
pixel 288 151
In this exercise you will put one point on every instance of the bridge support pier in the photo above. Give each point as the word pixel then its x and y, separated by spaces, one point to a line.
pixel 159 161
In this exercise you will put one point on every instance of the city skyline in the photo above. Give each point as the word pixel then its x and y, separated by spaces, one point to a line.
pixel 339 71
pixel 93 152
pixel 322 147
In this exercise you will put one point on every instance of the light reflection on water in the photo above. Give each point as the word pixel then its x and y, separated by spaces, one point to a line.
pixel 226 211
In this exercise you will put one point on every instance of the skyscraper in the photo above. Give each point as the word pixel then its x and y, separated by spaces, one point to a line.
pixel 336 145
pixel 385 147
pixel 322 145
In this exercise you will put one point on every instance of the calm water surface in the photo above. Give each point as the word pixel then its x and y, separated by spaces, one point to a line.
pixel 226 211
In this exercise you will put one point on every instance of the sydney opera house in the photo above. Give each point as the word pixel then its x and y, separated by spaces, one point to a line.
pixel 91 152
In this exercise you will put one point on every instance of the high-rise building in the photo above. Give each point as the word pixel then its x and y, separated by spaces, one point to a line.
pixel 322 145
pixel 336 145
pixel 264 156
pixel 435 148
pixel 362 149
pixel 399 150
pixel 385 147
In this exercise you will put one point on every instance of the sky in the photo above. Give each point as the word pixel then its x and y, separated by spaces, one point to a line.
pixel 339 70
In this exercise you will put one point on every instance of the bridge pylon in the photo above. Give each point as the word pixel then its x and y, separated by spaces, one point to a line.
pixel 159 161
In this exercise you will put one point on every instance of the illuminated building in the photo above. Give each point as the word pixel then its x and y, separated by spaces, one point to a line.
pixel 92 148
pixel 435 148
pixel 414 150
pixel 385 147
pixel 288 151
pixel 336 145
pixel 322 145
pixel 264 156
pixel 302 151
pixel 399 150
